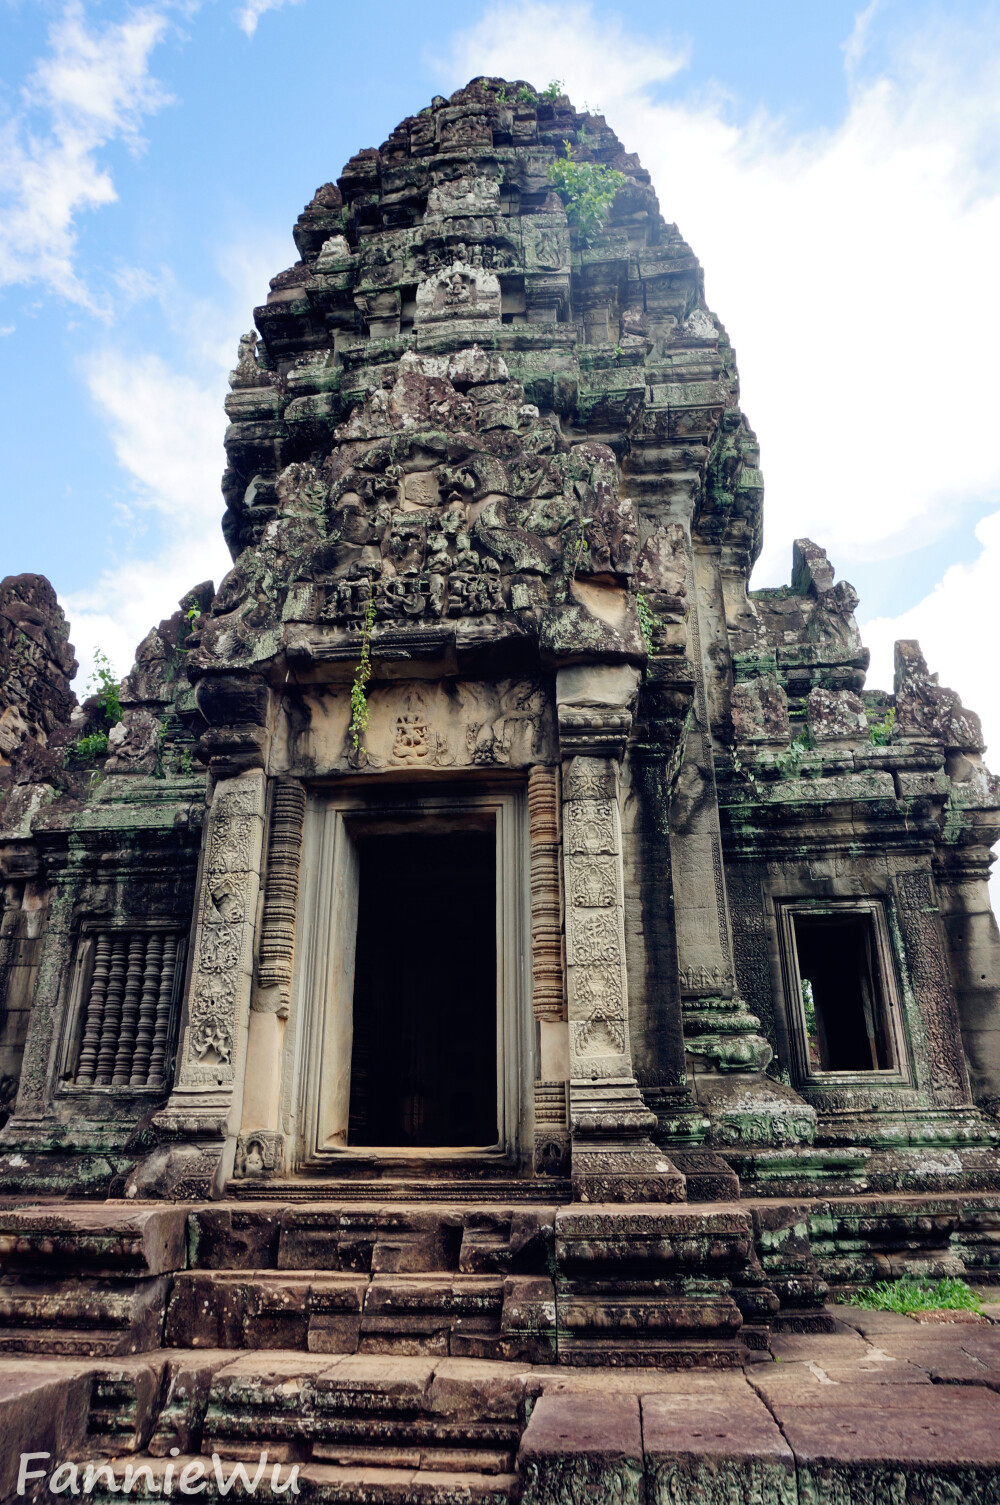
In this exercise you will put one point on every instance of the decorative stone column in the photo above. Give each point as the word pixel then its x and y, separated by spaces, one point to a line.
pixel 722 1039
pixel 548 990
pixel 260 1148
pixel 974 956
pixel 614 1159
pixel 198 1127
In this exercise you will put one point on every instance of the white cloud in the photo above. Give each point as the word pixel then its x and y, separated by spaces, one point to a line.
pixel 166 426
pixel 167 431
pixel 956 626
pixel 857 43
pixel 92 88
pixel 855 269
pixel 597 60
pixel 251 11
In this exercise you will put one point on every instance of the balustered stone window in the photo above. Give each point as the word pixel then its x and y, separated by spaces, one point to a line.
pixel 125 1009
pixel 841 992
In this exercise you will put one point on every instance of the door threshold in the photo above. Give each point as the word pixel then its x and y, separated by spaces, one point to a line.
pixel 416 1188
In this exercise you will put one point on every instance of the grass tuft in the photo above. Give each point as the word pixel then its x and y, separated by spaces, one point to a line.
pixel 910 1294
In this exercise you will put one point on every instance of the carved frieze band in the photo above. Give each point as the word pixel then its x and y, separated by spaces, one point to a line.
pixel 281 890
pixel 221 969
pixel 548 984
pixel 595 933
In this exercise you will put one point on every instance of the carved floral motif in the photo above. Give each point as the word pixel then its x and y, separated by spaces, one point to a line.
pixel 593 936
pixel 220 986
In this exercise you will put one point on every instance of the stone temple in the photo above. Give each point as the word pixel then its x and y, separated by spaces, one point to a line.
pixel 494 942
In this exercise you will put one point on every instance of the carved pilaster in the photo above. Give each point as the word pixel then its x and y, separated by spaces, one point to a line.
pixel 281 890
pixel 613 1156
pixel 260 1151
pixel 722 1038
pixel 548 975
pixel 204 1104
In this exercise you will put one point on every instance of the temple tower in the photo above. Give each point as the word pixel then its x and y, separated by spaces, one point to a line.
pixel 483 829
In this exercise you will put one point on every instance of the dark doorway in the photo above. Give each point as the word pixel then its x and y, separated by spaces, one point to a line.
pixel 424 1059
pixel 842 997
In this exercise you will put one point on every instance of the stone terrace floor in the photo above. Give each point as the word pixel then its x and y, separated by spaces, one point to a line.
pixel 883 1409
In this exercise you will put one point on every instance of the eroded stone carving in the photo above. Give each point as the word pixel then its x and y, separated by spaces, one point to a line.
pixel 220 971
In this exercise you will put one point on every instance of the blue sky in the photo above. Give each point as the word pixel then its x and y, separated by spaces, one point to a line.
pixel 835 167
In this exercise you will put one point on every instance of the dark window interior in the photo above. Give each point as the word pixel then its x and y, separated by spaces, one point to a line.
pixel 424 1060
pixel 842 997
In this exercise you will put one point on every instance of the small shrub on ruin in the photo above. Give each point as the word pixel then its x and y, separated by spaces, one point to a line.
pixel 587 190
pixel 86 749
pixel 880 734
pixel 787 764
pixel 647 620
pixel 105 687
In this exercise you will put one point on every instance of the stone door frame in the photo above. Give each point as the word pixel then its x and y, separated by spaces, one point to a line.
pixel 323 986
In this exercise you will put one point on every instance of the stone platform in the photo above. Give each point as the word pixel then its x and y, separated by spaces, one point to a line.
pixel 447 1353
pixel 878 1408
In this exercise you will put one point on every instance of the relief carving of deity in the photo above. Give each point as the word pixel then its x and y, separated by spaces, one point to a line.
pixel 590 827
pixel 593 882
pixel 414 741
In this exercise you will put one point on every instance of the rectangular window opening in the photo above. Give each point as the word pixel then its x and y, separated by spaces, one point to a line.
pixel 424 1053
pixel 842 994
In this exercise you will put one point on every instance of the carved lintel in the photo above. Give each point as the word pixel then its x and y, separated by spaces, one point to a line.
pixel 548 983
pixel 281 891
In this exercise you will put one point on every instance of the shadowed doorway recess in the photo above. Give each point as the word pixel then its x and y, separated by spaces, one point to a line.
pixel 424 1059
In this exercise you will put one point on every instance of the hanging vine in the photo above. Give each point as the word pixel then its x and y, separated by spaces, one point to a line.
pixel 362 674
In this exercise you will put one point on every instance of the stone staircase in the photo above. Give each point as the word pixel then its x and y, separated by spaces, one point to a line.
pixel 396 1351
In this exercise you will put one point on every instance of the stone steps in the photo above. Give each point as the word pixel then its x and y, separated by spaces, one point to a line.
pixel 357 1410
pixel 433 1188
pixel 906 1411
pixel 471 1316
pixel 319 1483
pixel 670 1285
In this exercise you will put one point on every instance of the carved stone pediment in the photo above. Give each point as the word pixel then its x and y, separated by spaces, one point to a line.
pixel 460 292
